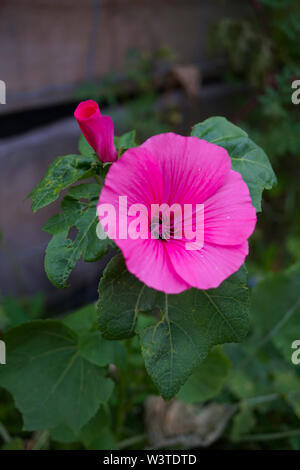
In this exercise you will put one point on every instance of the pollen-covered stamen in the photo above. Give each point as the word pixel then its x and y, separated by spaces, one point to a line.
pixel 162 228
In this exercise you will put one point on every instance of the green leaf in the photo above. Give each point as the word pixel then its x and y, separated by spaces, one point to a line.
pixel 246 157
pixel 99 351
pixel 125 141
pixel 121 297
pixel 64 434
pixel 85 148
pixel 91 343
pixel 276 310
pixel 50 380
pixel 83 320
pixel 207 380
pixel 63 172
pixel 62 253
pixel 95 435
pixel 193 322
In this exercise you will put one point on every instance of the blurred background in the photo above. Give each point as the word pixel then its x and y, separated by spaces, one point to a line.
pixel 153 65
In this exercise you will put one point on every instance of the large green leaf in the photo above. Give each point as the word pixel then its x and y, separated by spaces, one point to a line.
pixel 192 323
pixel 101 352
pixel 207 380
pixel 246 157
pixel 121 297
pixel 95 435
pixel 62 254
pixel 85 148
pixel 52 383
pixel 92 345
pixel 63 172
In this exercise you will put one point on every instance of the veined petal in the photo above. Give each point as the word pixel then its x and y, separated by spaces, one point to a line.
pixel 137 178
pixel 229 217
pixel 193 169
pixel 209 267
pixel 148 260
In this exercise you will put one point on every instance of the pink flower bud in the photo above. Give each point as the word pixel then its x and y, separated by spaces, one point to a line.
pixel 97 129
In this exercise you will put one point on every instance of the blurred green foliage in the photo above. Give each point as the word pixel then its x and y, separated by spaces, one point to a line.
pixel 264 54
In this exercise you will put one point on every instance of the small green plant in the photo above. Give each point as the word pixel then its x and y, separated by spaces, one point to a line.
pixel 78 379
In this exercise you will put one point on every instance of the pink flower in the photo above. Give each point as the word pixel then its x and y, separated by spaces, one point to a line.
pixel 169 168
pixel 97 129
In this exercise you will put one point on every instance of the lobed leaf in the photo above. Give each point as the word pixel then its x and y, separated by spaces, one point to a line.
pixel 191 324
pixel 62 253
pixel 63 172
pixel 121 297
pixel 246 157
pixel 50 379
pixel 85 148
pixel 125 141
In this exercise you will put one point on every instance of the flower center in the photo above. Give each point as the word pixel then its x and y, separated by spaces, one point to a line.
pixel 162 228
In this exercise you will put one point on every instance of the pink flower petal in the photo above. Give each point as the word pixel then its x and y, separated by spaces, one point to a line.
pixel 192 169
pixel 208 267
pixel 136 175
pixel 229 216
pixel 148 260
